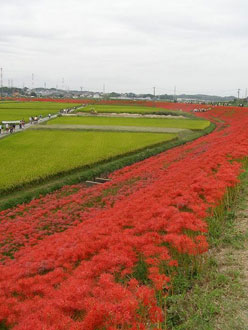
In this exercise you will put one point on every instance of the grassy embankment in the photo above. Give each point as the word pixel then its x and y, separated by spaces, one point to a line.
pixel 214 296
pixel 140 122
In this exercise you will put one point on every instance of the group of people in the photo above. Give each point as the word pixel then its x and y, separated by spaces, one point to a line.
pixel 202 109
pixel 10 128
pixel 34 120
pixel 65 111
pixel 69 110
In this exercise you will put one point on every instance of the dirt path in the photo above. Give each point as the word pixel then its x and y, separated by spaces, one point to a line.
pixel 218 298
pixel 233 263
pixel 114 128
pixel 239 256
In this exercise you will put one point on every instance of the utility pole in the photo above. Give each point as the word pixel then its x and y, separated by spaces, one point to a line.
pixel 32 81
pixel 175 93
pixel 154 91
pixel 45 85
pixel 246 93
pixel 1 78
pixel 238 92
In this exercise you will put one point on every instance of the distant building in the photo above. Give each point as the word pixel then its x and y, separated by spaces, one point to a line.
pixel 96 96
pixel 120 98
pixel 187 100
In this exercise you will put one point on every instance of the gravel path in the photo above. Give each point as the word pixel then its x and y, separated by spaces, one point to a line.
pixel 114 128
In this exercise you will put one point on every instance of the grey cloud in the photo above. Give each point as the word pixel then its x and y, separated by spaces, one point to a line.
pixel 130 44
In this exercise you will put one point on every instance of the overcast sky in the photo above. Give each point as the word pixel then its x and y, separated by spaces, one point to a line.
pixel 128 45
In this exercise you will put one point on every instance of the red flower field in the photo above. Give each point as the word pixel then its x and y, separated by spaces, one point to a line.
pixel 103 257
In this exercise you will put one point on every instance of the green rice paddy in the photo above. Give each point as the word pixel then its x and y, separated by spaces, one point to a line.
pixel 34 155
pixel 140 122
pixel 24 110
pixel 119 108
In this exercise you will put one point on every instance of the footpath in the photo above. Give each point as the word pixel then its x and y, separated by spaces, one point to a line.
pixel 225 292
pixel 26 126
pixel 233 261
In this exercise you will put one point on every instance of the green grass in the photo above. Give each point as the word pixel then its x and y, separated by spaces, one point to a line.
pixel 129 109
pixel 117 108
pixel 34 155
pixel 24 110
pixel 147 122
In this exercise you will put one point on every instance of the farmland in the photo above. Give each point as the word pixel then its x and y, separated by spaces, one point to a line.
pixel 145 122
pixel 61 147
pixel 122 109
pixel 24 110
pixel 44 153
pixel 120 254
